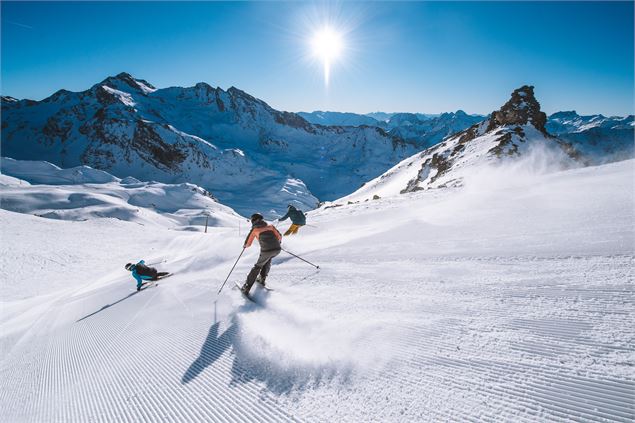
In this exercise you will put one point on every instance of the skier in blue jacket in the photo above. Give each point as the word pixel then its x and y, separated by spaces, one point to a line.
pixel 143 273
pixel 297 217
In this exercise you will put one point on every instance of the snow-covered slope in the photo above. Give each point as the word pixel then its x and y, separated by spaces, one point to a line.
pixel 228 142
pixel 508 301
pixel 515 131
pixel 83 193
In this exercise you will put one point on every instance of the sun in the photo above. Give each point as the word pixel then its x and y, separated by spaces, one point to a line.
pixel 327 45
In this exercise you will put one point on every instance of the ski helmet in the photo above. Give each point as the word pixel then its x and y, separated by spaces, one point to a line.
pixel 128 266
pixel 256 217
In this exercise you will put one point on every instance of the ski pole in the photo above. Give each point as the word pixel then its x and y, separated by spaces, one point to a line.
pixel 296 256
pixel 230 272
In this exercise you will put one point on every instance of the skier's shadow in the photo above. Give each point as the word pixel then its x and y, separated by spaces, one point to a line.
pixel 213 348
pixel 107 306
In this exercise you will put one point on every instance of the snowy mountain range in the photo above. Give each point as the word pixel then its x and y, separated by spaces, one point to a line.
pixel 428 131
pixel 423 130
pixel 338 118
pixel 601 139
pixel 247 154
pixel 381 119
pixel 415 128
pixel 255 158
pixel 514 131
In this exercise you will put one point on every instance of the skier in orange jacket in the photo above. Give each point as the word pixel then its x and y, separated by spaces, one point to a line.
pixel 269 239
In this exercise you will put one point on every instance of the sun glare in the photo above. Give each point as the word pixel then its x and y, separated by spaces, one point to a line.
pixel 327 46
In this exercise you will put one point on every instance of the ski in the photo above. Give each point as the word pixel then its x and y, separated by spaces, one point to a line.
pixel 147 285
pixel 258 283
pixel 239 286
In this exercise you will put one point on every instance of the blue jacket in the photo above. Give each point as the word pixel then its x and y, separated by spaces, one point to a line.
pixel 138 277
pixel 297 217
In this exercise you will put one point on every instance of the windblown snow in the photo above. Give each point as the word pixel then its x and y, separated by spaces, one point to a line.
pixel 506 299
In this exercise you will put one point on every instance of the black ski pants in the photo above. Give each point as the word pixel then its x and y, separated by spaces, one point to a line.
pixel 157 275
pixel 262 266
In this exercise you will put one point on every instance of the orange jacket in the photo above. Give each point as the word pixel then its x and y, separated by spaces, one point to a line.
pixel 267 235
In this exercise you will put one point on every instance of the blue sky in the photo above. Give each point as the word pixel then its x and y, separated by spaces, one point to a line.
pixel 399 56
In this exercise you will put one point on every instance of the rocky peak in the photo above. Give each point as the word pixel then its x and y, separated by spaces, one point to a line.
pixel 521 109
pixel 205 90
pixel 125 81
pixel 203 86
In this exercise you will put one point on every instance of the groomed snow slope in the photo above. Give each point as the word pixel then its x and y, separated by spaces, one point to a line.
pixel 509 303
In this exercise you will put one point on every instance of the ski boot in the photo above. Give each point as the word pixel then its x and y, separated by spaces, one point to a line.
pixel 261 281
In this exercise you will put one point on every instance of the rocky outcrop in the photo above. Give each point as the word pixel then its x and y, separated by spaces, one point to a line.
pixel 504 133
pixel 521 109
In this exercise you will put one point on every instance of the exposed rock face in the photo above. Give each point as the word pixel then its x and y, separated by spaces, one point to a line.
pixel 521 109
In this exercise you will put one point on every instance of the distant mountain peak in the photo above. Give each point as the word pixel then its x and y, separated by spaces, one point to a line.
pixel 9 99
pixel 124 81
pixel 521 109
pixel 564 114
pixel 203 85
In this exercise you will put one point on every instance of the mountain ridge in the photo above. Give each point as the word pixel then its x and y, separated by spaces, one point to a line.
pixel 508 133
pixel 208 136
pixel 254 157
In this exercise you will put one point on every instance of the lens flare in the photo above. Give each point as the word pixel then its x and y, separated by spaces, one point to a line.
pixel 327 46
